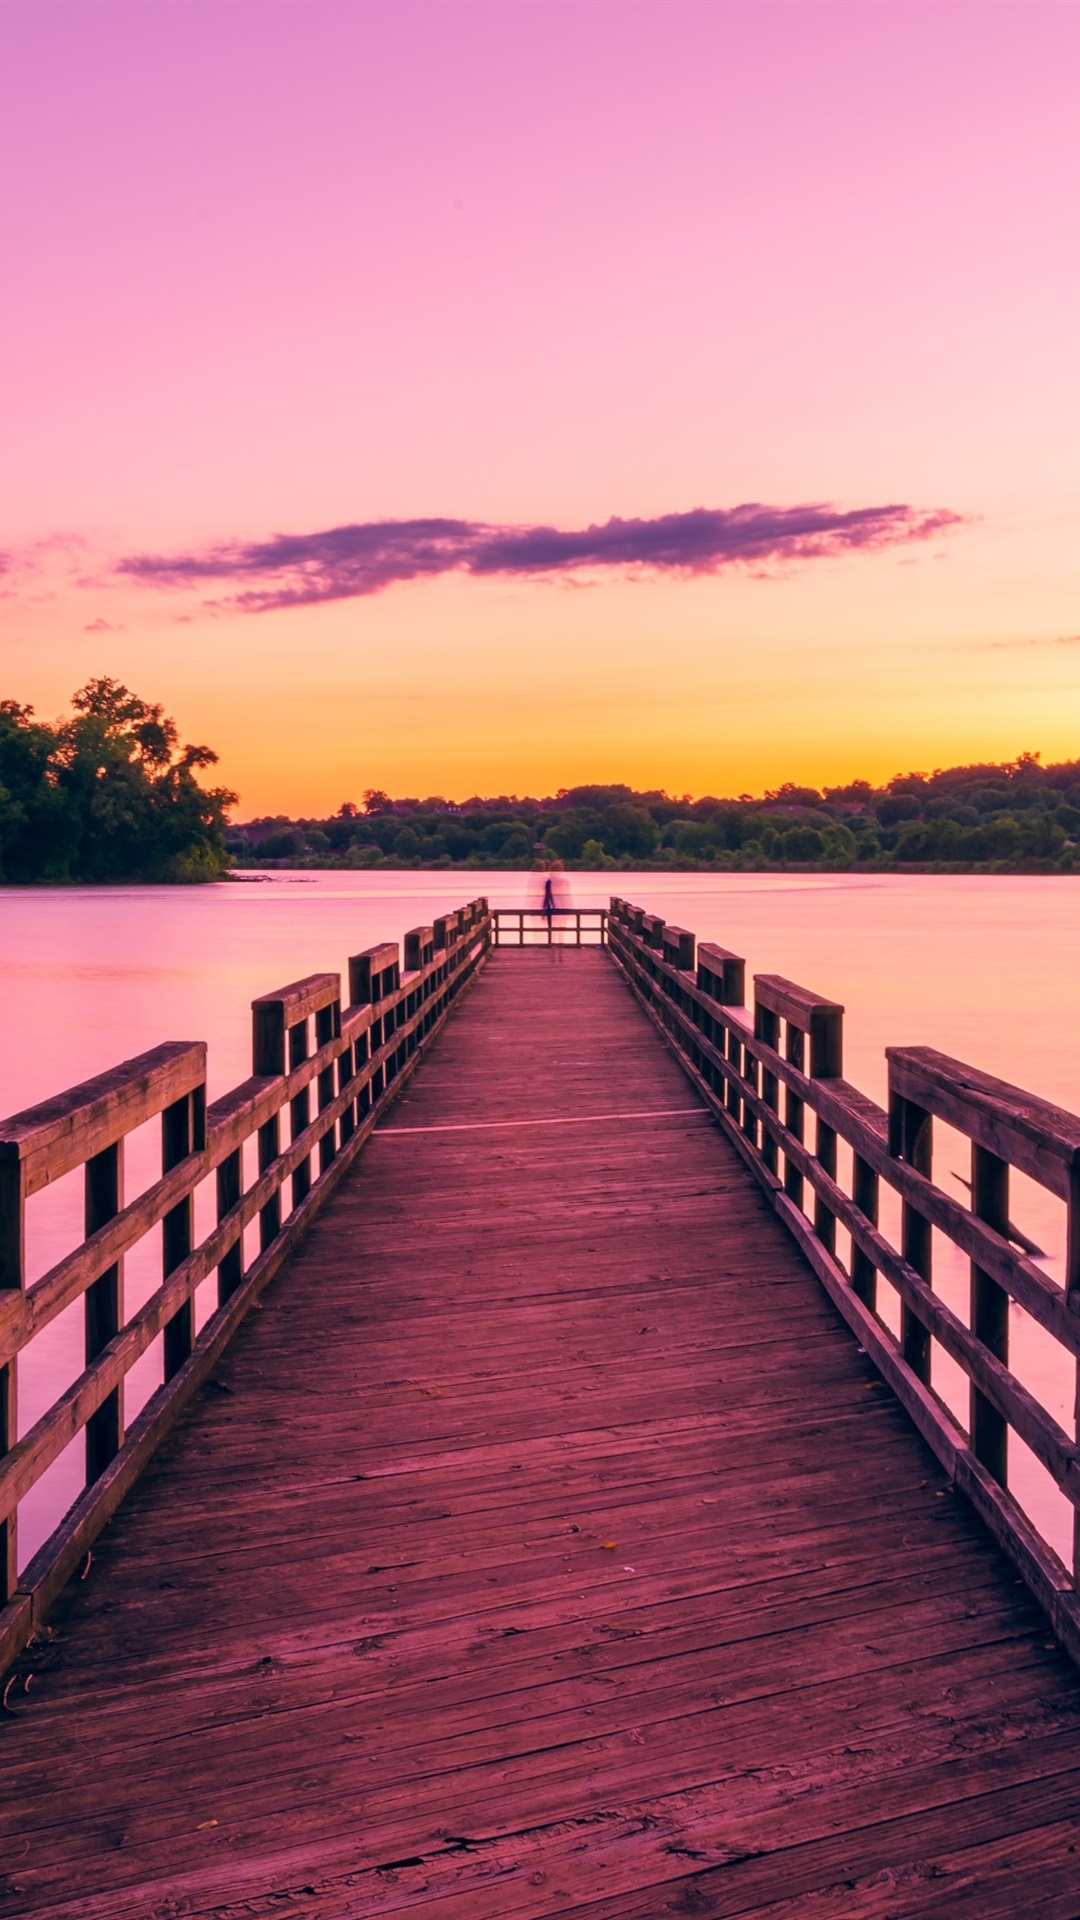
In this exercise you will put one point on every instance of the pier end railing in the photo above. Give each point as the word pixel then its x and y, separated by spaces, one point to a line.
pixel 549 927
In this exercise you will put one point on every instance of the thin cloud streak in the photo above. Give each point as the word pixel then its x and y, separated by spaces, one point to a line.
pixel 350 562
pixel 1012 646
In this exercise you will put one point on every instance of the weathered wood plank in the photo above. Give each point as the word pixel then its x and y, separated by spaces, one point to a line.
pixel 50 1139
pixel 1039 1138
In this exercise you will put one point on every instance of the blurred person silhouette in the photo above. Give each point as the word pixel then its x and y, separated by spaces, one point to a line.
pixel 550 903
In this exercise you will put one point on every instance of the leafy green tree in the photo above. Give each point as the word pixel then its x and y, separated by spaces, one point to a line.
pixel 840 844
pixel 38 835
pixel 629 829
pixel 568 835
pixel 897 807
pixel 458 840
pixel 284 845
pixel 108 794
pixel 802 843
pixel 593 855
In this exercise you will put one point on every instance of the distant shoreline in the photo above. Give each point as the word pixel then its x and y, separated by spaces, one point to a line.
pixel 1033 868
pixel 1013 817
pixel 251 876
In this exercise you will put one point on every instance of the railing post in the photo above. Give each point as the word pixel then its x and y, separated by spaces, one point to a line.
pixel 1072 1301
pixel 734 1054
pixel 361 1053
pixel 229 1183
pixel 419 946
pixel 794 1053
pixel 183 1131
pixel 268 1059
pixel 826 1063
pixel 12 1278
pixel 678 949
pixel 911 1140
pixel 728 985
pixel 864 1192
pixel 989 1308
pixel 750 1083
pixel 767 1029
pixel 299 1110
pixel 103 1197
pixel 9 1433
pixel 346 1073
pixel 327 1028
pixel 373 976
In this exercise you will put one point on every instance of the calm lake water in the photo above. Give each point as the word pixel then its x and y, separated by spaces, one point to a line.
pixel 983 967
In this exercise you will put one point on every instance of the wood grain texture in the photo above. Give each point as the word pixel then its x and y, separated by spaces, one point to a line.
pixel 544 1546
pixel 1041 1139
pixel 48 1140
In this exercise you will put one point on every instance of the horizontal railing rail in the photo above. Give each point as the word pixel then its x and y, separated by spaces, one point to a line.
pixel 548 927
pixel 352 1059
pixel 790 1043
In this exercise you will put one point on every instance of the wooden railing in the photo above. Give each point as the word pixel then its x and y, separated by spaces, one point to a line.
pixel 354 1062
pixel 740 1059
pixel 563 926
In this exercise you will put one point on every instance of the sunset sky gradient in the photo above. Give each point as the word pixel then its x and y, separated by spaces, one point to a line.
pixel 453 397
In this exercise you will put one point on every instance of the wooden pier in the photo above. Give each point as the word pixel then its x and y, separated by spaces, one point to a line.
pixel 562 1532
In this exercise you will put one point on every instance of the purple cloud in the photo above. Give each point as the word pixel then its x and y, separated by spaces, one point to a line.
pixel 344 563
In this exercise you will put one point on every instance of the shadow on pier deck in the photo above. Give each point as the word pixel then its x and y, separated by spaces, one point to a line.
pixel 544 1546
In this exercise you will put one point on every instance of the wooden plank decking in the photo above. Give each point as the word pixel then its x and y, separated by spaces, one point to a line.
pixel 544 1546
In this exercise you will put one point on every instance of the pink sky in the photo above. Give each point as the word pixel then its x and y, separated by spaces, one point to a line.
pixel 279 269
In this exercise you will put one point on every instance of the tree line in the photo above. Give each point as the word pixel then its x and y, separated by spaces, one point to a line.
pixel 1011 816
pixel 108 794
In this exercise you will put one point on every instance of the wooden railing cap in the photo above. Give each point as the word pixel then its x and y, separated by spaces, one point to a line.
pixel 1032 1134
pixel 380 957
pixel 302 997
pixel 792 1002
pixel 60 1133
